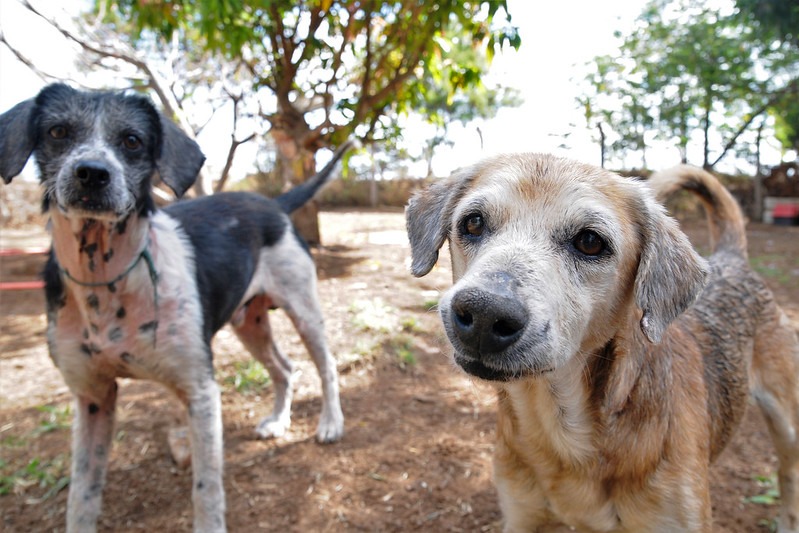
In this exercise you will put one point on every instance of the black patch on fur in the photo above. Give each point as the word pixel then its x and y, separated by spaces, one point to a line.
pixel 121 313
pixel 90 249
pixel 93 408
pixel 227 232
pixel 148 327
pixel 122 226
pixel 93 302
pixel 115 335
pixel 108 255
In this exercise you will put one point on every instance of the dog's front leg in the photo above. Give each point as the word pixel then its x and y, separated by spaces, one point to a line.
pixel 91 446
pixel 205 425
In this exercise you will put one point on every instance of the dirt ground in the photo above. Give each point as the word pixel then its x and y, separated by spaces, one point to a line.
pixel 417 451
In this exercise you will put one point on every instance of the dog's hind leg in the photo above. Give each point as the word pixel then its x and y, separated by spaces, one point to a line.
pixel 91 445
pixel 306 314
pixel 255 333
pixel 776 388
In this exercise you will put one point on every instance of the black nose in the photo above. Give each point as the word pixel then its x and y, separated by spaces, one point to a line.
pixel 92 174
pixel 487 321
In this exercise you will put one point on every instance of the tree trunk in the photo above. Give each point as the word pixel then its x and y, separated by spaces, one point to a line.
pixel 295 165
pixel 602 148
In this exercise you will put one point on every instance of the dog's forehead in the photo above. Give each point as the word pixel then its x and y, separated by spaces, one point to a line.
pixel 87 110
pixel 526 184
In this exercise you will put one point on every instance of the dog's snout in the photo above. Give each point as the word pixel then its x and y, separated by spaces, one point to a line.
pixel 92 174
pixel 487 321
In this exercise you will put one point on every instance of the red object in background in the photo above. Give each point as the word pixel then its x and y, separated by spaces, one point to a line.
pixel 786 215
pixel 22 285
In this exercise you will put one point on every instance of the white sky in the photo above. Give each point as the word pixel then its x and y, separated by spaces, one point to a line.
pixel 556 38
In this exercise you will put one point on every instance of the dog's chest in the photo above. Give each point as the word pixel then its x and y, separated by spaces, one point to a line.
pixel 148 325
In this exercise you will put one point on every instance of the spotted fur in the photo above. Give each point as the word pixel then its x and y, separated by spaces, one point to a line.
pixel 137 292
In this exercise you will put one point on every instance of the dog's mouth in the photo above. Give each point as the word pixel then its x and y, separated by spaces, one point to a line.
pixel 92 204
pixel 480 370
pixel 91 209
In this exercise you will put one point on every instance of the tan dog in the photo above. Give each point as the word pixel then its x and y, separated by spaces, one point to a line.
pixel 573 294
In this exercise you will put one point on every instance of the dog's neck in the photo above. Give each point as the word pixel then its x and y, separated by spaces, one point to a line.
pixel 574 404
pixel 94 251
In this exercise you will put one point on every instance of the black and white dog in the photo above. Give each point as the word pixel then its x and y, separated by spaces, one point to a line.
pixel 137 292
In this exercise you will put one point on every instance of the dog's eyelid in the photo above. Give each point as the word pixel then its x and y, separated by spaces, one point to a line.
pixel 131 141
pixel 58 131
pixel 472 225
pixel 589 242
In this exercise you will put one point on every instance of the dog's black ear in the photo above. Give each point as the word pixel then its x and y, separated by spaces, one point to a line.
pixel 427 220
pixel 671 275
pixel 181 158
pixel 16 139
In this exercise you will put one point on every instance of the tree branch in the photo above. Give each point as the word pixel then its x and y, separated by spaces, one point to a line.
pixel 790 87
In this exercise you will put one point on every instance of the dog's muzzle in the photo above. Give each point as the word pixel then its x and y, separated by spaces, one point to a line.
pixel 91 175
pixel 484 322
pixel 90 188
pixel 488 321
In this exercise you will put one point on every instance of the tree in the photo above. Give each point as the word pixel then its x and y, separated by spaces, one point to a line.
pixel 776 22
pixel 323 70
pixel 689 71
pixel 772 19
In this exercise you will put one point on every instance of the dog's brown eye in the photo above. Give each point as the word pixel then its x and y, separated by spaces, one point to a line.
pixel 58 132
pixel 473 225
pixel 589 243
pixel 131 142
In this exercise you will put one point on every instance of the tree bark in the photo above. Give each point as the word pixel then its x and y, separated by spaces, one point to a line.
pixel 294 166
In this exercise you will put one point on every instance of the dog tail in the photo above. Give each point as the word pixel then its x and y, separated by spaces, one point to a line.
pixel 295 198
pixel 727 226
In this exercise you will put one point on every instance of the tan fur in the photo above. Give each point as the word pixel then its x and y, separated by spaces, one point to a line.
pixel 622 375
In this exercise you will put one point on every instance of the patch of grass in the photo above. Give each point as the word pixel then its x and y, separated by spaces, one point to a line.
pixel 58 417
pixel 768 266
pixel 50 475
pixel 430 300
pixel 410 324
pixel 402 346
pixel 770 494
pixel 374 315
pixel 248 377
pixel 13 441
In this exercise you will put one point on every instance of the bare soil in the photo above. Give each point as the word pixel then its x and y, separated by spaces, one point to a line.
pixel 417 452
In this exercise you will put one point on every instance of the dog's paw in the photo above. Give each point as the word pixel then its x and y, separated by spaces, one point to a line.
pixel 271 428
pixel 330 429
pixel 180 446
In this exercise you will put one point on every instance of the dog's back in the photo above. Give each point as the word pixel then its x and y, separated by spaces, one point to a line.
pixel 735 305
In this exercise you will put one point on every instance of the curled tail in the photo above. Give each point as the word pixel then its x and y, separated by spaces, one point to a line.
pixel 295 198
pixel 727 227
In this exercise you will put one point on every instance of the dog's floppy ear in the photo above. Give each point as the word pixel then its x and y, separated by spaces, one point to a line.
pixel 427 220
pixel 16 139
pixel 671 275
pixel 181 158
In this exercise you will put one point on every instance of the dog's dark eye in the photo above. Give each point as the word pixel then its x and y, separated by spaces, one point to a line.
pixel 131 142
pixel 589 243
pixel 473 225
pixel 58 132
